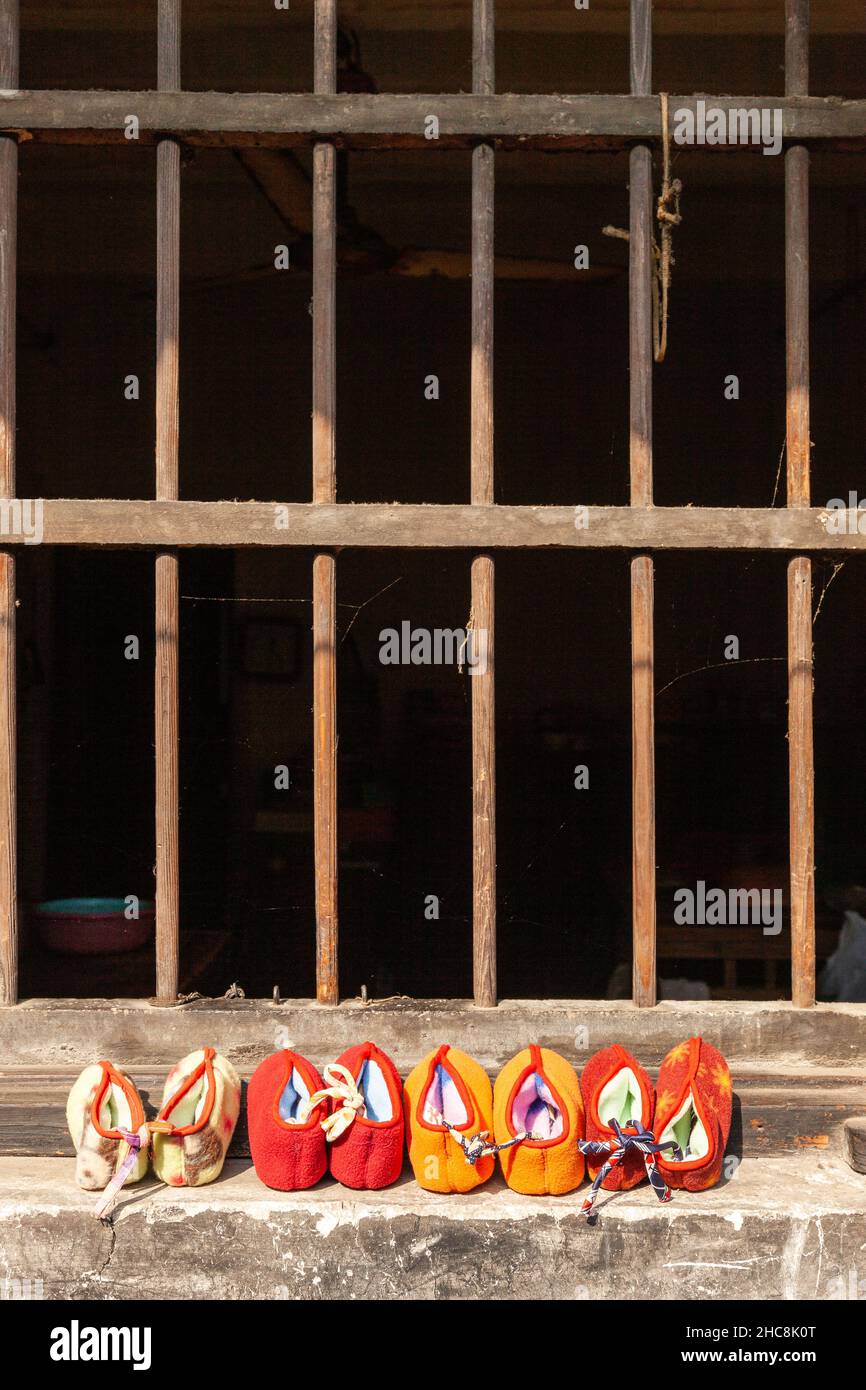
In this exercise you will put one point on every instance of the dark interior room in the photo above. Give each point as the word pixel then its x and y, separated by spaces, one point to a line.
pixel 563 702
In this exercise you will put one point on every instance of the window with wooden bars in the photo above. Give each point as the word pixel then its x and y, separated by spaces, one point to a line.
pixel 482 532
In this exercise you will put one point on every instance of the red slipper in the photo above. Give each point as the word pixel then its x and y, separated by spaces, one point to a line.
pixel 616 1087
pixel 365 1127
pixel 693 1110
pixel 287 1141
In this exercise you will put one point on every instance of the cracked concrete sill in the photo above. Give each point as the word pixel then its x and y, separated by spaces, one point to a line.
pixel 781 1228
pixel 69 1032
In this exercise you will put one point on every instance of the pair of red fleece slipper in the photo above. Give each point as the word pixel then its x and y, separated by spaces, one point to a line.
pixel 349 1120
pixel 675 1133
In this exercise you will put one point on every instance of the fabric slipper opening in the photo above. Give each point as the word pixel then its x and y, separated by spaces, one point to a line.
pixel 688 1132
pixel 621 1099
pixel 115 1112
pixel 444 1101
pixel 374 1088
pixel 294 1095
pixel 187 1109
pixel 535 1111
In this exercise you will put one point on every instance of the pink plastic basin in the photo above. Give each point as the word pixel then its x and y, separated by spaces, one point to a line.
pixel 92 926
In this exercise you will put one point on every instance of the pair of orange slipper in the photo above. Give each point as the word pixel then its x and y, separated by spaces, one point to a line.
pixel 675 1134
pixel 349 1120
pixel 458 1125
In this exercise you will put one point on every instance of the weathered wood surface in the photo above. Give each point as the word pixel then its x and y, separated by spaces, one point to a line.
pixel 772 1115
pixel 801 781
pixel 481 367
pixel 168 31
pixel 484 789
pixel 8 704
pixel 640 46
pixel 801 768
pixel 167 782
pixel 797 24
pixel 325 799
pixel 364 120
pixel 325 809
pixel 125 524
pixel 167 576
pixel 643 783
pixel 640 327
pixel 643 838
pixel 854 1143
pixel 482 494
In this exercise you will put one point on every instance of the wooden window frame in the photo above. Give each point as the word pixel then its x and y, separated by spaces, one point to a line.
pixel 482 122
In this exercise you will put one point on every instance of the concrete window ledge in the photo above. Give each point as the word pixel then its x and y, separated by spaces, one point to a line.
pixel 72 1032
pixel 781 1228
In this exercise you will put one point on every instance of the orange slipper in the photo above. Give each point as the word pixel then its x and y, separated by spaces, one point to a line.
pixel 693 1109
pixel 448 1101
pixel 616 1087
pixel 537 1121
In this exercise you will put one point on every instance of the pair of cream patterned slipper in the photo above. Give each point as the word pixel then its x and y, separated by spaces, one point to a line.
pixel 189 1138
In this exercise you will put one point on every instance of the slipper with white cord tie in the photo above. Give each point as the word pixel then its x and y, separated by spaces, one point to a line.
pixel 364 1129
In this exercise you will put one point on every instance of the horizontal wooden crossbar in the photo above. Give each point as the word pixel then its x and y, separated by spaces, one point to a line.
pixel 241 524
pixel 365 121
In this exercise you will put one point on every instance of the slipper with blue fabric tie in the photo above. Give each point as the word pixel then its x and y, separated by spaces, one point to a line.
pixel 449 1121
pixel 616 1089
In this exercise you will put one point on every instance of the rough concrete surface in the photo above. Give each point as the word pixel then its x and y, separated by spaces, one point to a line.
pixel 781 1228
pixel 43 1032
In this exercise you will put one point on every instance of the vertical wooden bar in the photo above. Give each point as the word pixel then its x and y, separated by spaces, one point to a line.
pixel 482 574
pixel 640 466
pixel 8 757
pixel 167 564
pixel 800 671
pixel 325 490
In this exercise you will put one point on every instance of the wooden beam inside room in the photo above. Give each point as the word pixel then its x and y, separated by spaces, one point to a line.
pixel 800 659
pixel 167 488
pixel 483 573
pixel 325 809
pixel 9 923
